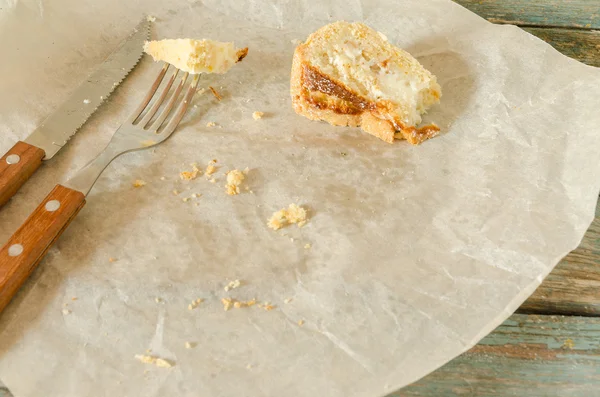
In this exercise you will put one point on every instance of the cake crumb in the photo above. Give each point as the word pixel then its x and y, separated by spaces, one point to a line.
pixel 185 199
pixel 196 195
pixel 249 303
pixel 86 101
pixel 159 362
pixel 211 124
pixel 212 180
pixel 176 192
pixel 162 178
pixel 307 246
pixel 232 285
pixel 249 366
pixel 146 359
pixel 227 303
pixel 190 175
pixel 148 143
pixel 112 260
pixel 268 306
pixel 139 183
pixel 66 312
pixel 293 214
pixel 257 115
pixel 151 18
pixel 215 93
pixel 234 180
pixel 158 300
pixel 210 168
pixel 287 300
pixel 74 298
pixel 190 345
pixel 195 304
pixel 301 322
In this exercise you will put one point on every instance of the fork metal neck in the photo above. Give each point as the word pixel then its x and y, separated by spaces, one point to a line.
pixel 85 178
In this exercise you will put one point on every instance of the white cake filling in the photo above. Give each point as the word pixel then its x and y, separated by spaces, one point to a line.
pixel 194 56
pixel 364 62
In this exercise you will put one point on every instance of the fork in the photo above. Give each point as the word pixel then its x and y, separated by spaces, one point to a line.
pixel 26 248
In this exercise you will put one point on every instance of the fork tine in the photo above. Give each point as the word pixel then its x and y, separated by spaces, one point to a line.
pixel 167 109
pixel 182 106
pixel 156 105
pixel 149 95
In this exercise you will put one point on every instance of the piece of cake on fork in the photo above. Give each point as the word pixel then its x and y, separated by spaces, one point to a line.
pixel 196 56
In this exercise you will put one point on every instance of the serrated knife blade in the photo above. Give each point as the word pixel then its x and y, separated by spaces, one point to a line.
pixel 55 131
pixel 24 158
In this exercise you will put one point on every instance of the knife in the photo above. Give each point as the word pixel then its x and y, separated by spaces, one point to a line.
pixel 25 157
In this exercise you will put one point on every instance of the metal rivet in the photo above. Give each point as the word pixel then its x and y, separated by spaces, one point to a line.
pixel 52 205
pixel 15 250
pixel 13 159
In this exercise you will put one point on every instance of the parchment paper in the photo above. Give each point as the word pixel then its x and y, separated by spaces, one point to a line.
pixel 416 252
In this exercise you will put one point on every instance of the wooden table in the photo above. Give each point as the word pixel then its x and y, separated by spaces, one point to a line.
pixel 551 347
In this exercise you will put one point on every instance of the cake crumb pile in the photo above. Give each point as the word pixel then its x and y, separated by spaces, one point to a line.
pixel 293 214
pixel 234 180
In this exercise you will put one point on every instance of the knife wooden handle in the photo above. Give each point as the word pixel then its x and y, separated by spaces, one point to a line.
pixel 26 248
pixel 16 166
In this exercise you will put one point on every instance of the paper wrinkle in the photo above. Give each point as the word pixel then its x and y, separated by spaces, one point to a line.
pixel 346 349
pixel 415 252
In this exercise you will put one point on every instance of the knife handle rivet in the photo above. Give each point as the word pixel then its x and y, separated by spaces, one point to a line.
pixel 52 205
pixel 15 250
pixel 13 159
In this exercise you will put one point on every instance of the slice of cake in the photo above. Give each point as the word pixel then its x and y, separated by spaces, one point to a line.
pixel 196 56
pixel 349 74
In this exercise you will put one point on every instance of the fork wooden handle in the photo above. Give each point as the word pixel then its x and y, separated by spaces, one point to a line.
pixel 26 248
pixel 16 166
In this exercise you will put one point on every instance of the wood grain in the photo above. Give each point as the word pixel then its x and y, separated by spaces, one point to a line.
pixel 13 176
pixel 573 287
pixel 549 13
pixel 549 356
pixel 35 236
pixel 580 45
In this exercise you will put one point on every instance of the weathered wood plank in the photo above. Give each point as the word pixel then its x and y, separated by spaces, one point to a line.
pixel 528 355
pixel 549 13
pixel 549 356
pixel 578 44
pixel 573 287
